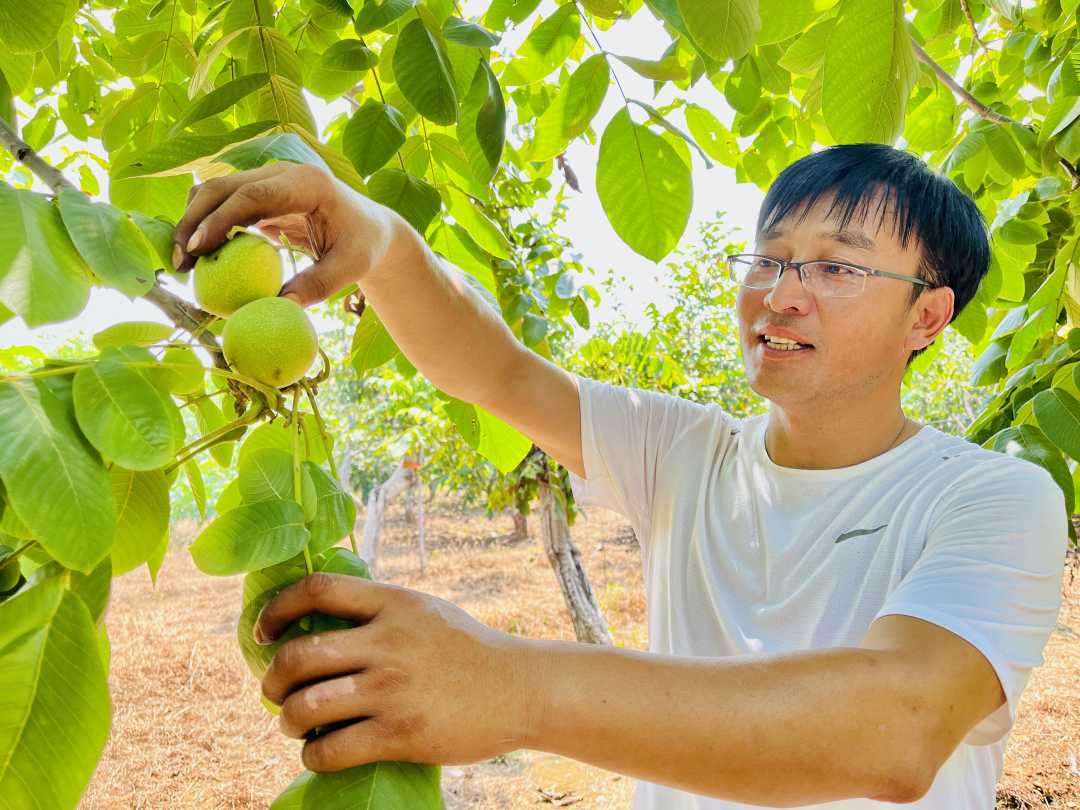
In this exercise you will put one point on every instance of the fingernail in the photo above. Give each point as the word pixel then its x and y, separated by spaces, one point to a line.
pixel 177 257
pixel 195 240
pixel 259 638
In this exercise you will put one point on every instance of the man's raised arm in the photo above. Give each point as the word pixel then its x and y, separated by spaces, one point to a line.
pixel 442 325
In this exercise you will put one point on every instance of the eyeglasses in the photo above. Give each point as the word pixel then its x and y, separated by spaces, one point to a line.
pixel 826 278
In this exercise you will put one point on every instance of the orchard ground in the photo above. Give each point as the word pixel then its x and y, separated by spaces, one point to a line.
pixel 189 730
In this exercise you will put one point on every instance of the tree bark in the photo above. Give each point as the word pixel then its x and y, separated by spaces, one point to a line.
pixel 380 495
pixel 521 526
pixel 589 624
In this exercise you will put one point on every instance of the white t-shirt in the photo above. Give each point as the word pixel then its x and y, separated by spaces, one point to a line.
pixel 744 556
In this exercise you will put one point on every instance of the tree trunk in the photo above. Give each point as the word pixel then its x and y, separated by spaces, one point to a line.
pixel 589 624
pixel 345 467
pixel 521 526
pixel 420 514
pixel 378 498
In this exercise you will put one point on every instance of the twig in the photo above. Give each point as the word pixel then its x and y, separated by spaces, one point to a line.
pixel 184 315
pixel 966 6
pixel 979 107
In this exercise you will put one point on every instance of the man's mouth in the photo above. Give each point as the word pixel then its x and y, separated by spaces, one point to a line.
pixel 784 344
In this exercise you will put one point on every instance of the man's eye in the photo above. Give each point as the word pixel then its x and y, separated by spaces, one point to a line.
pixel 836 269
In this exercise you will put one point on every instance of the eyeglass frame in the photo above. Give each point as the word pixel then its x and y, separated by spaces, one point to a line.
pixel 784 265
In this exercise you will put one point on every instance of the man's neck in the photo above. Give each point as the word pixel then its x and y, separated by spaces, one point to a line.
pixel 812 443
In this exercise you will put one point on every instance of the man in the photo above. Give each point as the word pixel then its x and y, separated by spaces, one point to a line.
pixel 844 605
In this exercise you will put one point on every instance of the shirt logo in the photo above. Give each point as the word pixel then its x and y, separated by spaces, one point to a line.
pixel 860 532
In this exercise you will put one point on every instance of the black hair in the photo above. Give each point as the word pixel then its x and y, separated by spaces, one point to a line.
pixel 948 226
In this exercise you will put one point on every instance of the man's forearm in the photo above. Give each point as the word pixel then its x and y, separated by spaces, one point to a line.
pixel 781 729
pixel 445 328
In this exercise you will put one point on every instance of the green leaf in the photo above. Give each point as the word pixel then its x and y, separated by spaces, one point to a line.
pixel 111 243
pixel 415 199
pixel 644 187
pixel 663 70
pixel 1031 444
pixel 546 47
pixel 458 247
pixel 198 486
pixel 133 333
pixel 372 345
pixel 350 55
pixel 210 418
pixel 179 155
pixel 42 276
pixel 372 136
pixel 711 135
pixel 26 28
pixel 808 51
pixel 781 19
pixel 868 72
pixel 277 434
pixel 482 129
pixel 260 586
pixel 55 483
pixel 249 537
pixel 495 440
pixel 93 588
pixel 389 785
pixel 990 365
pixel 1005 150
pixel 124 415
pixel 487 234
pixel 260 151
pixel 533 329
pixel 268 473
pixel 335 514
pixel 56 697
pixel 424 75
pixel 1059 417
pixel 573 109
pixel 743 87
pixel 187 380
pixel 39 130
pixel 375 15
pixel 722 28
pixel 142 516
pixel 458 30
pixel 220 99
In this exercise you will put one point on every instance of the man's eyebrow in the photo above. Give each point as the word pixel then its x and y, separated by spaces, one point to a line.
pixel 851 238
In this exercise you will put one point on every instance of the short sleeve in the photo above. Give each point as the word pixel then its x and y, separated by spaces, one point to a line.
pixel 625 433
pixel 991 573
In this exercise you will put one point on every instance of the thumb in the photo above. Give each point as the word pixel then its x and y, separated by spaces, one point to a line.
pixel 319 281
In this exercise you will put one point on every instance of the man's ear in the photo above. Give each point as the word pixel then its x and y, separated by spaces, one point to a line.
pixel 932 312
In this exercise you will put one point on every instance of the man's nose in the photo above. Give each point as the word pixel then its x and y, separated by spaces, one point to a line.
pixel 788 293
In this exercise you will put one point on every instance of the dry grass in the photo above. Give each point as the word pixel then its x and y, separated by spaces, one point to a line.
pixel 189 730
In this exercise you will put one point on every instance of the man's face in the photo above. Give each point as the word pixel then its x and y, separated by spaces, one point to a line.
pixel 858 343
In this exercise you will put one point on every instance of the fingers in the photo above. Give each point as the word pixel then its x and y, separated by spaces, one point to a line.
pixel 312 658
pixel 243 199
pixel 330 701
pixel 204 198
pixel 357 744
pixel 320 281
pixel 334 594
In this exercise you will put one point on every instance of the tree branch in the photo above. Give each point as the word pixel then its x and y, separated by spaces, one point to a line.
pixel 183 315
pixel 978 106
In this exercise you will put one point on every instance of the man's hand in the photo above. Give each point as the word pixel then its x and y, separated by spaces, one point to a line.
pixel 434 685
pixel 347 233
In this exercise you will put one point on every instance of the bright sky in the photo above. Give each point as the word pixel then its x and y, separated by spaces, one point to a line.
pixel 591 234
